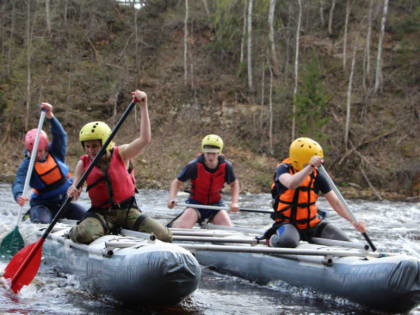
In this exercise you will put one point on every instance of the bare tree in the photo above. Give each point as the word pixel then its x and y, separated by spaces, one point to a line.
pixel 250 83
pixel 366 56
pixel 321 12
pixel 66 8
pixel 330 17
pixel 47 16
pixel 186 43
pixel 349 91
pixel 378 75
pixel 274 61
pixel 28 62
pixel 11 39
pixel 296 69
pixel 241 60
pixel 346 26
pixel 262 95
pixel 206 7
pixel 270 111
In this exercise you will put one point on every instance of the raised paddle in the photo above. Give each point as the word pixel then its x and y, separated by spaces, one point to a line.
pixel 25 264
pixel 343 201
pixel 189 205
pixel 13 242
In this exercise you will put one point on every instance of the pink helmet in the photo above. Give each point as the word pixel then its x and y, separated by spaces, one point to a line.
pixel 30 140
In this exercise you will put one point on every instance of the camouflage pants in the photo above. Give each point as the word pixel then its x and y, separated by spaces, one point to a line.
pixel 106 221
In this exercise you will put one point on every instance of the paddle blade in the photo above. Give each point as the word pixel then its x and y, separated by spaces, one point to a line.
pixel 11 244
pixel 24 265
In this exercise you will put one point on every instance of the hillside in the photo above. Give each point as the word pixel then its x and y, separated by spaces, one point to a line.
pixel 85 57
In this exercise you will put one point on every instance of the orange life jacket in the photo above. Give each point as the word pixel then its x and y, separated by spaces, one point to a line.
pixel 50 174
pixel 297 206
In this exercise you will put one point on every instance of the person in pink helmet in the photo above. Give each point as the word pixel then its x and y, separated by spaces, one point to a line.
pixel 50 177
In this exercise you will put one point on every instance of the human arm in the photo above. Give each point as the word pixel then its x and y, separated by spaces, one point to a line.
pixel 173 191
pixel 58 144
pixel 73 191
pixel 338 207
pixel 19 182
pixel 234 188
pixel 294 181
pixel 129 151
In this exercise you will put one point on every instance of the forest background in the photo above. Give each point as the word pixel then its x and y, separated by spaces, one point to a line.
pixel 257 72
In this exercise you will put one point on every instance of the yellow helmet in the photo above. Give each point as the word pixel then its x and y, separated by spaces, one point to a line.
pixel 212 144
pixel 302 150
pixel 96 130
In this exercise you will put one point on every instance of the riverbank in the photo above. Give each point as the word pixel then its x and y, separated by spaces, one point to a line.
pixel 165 157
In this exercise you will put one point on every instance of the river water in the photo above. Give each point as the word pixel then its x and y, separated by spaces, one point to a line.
pixel 392 226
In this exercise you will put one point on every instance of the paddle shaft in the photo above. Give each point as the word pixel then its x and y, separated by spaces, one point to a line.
pixel 90 167
pixel 31 162
pixel 343 201
pixel 189 205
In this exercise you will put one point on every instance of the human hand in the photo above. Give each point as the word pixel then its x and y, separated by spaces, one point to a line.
pixel 139 96
pixel 74 192
pixel 316 161
pixel 21 200
pixel 171 203
pixel 234 207
pixel 360 226
pixel 48 110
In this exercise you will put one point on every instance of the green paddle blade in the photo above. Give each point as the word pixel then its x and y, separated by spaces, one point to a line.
pixel 11 244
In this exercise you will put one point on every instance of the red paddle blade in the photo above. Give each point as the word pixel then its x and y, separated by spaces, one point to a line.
pixel 24 265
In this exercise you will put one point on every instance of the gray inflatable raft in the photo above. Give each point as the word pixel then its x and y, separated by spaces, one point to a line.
pixel 146 272
pixel 383 282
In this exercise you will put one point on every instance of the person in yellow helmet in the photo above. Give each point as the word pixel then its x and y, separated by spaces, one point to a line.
pixel 208 174
pixel 110 185
pixel 295 191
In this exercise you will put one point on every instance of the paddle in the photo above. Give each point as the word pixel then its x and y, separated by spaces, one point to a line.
pixel 222 208
pixel 343 201
pixel 13 241
pixel 25 264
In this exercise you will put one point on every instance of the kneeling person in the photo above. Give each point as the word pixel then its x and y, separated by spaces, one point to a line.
pixel 208 173
pixel 296 187
pixel 109 184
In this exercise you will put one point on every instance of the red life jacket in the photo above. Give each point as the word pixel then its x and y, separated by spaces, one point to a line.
pixel 111 188
pixel 50 174
pixel 207 185
pixel 297 206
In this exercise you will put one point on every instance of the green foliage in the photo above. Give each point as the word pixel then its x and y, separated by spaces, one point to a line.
pixel 311 101
pixel 408 25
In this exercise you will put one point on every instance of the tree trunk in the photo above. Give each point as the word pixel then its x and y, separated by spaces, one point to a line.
pixel 330 17
pixel 206 7
pixel 28 63
pixel 274 61
pixel 296 69
pixel 346 26
pixel 321 12
pixel 262 97
pixel 47 16
pixel 366 57
pixel 11 39
pixel 241 59
pixel 186 43
pixel 270 110
pixel 288 28
pixel 66 8
pixel 378 76
pixel 249 52
pixel 349 90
